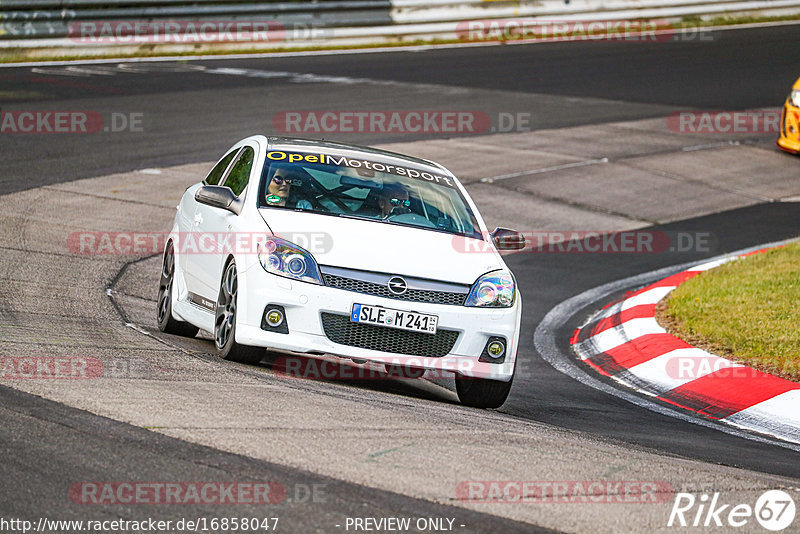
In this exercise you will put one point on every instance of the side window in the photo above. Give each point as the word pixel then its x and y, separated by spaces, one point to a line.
pixel 240 172
pixel 219 170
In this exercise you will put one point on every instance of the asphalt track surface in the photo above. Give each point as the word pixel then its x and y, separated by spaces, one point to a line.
pixel 191 115
pixel 61 442
pixel 198 116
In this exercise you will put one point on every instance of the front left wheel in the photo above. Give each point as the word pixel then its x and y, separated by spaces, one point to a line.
pixel 166 322
pixel 225 322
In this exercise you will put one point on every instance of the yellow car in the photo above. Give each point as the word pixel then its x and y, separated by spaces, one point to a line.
pixel 789 139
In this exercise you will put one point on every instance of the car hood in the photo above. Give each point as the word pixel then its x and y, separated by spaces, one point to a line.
pixel 384 247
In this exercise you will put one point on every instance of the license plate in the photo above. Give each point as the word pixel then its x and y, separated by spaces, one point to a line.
pixel 402 320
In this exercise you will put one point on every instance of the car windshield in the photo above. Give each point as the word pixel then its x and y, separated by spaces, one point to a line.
pixel 352 187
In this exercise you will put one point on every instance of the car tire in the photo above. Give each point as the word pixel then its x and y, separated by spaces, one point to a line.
pixel 482 393
pixel 225 322
pixel 166 322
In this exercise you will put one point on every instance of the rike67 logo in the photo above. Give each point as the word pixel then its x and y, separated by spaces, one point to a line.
pixel 774 510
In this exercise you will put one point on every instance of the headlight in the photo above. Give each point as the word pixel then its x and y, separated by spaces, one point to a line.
pixel 492 290
pixel 283 258
pixel 795 98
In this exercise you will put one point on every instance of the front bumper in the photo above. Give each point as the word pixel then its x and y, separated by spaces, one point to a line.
pixel 789 139
pixel 305 304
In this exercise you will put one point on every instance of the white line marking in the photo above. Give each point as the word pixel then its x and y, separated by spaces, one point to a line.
pixel 58 72
pixel 651 296
pixel 493 179
pixel 664 371
pixel 716 263
pixel 619 335
pixel 694 148
pixel 603 314
pixel 779 414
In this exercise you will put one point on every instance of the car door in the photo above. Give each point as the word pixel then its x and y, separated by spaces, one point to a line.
pixel 215 225
pixel 189 222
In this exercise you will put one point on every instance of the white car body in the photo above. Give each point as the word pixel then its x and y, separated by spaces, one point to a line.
pixel 344 248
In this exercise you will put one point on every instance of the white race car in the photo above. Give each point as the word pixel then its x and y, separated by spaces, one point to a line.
pixel 321 248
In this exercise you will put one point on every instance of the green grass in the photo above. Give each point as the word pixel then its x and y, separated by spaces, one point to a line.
pixel 747 310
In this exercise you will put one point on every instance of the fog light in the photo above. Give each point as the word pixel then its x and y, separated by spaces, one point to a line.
pixel 494 351
pixel 274 318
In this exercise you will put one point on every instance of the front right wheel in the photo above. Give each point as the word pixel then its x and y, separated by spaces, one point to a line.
pixel 482 393
pixel 225 322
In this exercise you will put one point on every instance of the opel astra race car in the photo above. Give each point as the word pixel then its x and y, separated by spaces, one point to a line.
pixel 789 138
pixel 322 248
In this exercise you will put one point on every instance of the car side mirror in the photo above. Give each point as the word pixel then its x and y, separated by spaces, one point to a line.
pixel 507 239
pixel 219 196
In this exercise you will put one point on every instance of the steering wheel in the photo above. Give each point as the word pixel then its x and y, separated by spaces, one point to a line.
pixel 320 193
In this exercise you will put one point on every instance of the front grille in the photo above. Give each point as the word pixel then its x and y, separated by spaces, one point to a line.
pixel 382 290
pixel 339 329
